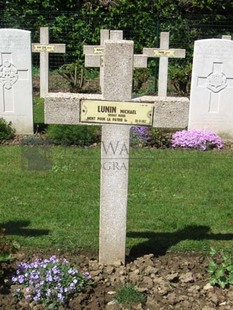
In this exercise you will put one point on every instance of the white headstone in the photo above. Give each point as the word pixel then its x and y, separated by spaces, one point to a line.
pixel 16 103
pixel 211 105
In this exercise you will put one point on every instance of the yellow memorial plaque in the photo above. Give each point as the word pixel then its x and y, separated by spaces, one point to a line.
pixel 166 53
pixel 112 112
pixel 44 48
pixel 99 50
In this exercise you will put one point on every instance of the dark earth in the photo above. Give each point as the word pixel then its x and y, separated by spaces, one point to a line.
pixel 170 281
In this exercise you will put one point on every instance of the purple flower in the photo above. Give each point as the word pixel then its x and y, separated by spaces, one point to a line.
pixel 197 139
pixel 51 281
pixel 87 275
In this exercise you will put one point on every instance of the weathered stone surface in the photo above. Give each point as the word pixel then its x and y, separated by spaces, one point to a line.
pixel 169 112
pixel 16 103
pixel 212 87
pixel 63 108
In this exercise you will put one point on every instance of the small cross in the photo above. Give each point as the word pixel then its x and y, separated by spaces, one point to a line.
pixel 216 82
pixel 44 48
pixel 94 54
pixel 226 37
pixel 163 53
pixel 9 75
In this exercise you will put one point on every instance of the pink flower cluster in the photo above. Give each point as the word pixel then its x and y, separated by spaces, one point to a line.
pixel 196 139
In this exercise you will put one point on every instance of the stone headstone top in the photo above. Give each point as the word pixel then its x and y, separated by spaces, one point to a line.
pixel 212 86
pixel 16 79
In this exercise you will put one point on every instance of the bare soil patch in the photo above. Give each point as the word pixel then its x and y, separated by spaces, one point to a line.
pixel 171 281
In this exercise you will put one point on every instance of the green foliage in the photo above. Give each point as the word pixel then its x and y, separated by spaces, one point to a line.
pixel 6 130
pixel 50 281
pixel 140 78
pixel 79 22
pixel 73 134
pixel 35 71
pixel 74 74
pixel 7 248
pixel 159 138
pixel 38 114
pixel 61 209
pixel 180 78
pixel 128 295
pixel 150 137
pixel 221 269
pixel 32 140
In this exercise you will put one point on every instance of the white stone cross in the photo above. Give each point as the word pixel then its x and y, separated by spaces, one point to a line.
pixel 163 52
pixel 216 81
pixel 44 48
pixel 116 112
pixel 226 37
pixel 94 54
pixel 9 75
pixel 117 86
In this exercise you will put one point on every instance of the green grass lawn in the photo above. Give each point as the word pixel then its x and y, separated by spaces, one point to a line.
pixel 178 200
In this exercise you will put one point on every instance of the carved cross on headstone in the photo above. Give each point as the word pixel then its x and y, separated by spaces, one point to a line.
pixel 216 82
pixel 94 54
pixel 163 52
pixel 9 75
pixel 44 48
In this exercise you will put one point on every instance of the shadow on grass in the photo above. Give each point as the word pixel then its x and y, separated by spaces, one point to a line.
pixel 19 228
pixel 158 243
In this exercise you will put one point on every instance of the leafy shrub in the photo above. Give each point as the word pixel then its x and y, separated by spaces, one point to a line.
pixel 152 137
pixel 50 281
pixel 6 130
pixel 140 77
pixel 159 138
pixel 73 134
pixel 180 78
pixel 221 269
pixel 196 139
pixel 74 74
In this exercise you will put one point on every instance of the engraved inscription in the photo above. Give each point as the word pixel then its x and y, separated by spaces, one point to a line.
pixel 216 82
pixel 8 74
pixel 112 112
pixel 44 48
pixel 99 50
pixel 166 53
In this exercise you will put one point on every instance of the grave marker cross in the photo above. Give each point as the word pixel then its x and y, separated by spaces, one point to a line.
pixel 44 48
pixel 163 53
pixel 94 54
pixel 117 87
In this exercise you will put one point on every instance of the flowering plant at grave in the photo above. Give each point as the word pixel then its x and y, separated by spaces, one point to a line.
pixel 196 139
pixel 139 134
pixel 50 282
